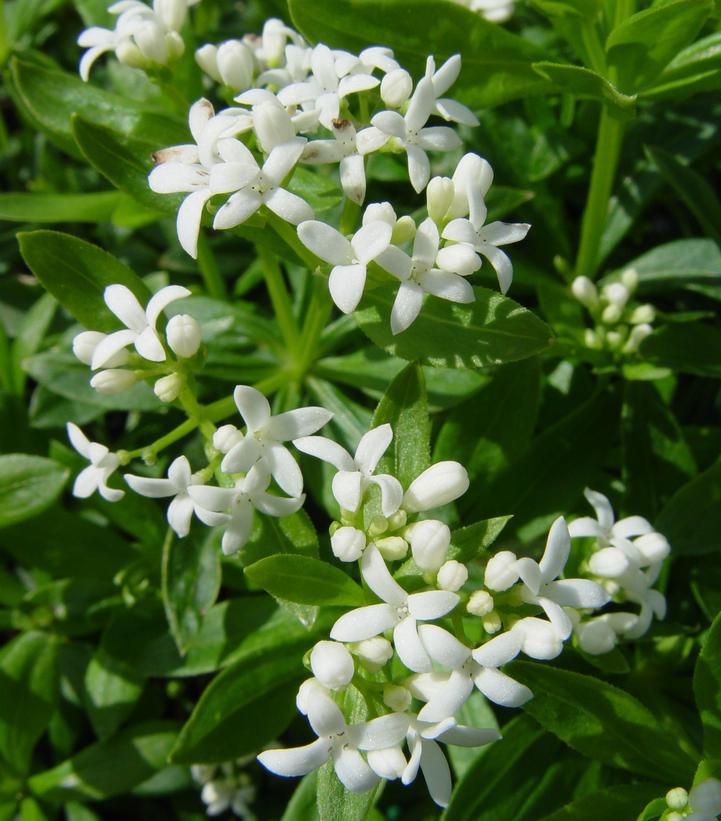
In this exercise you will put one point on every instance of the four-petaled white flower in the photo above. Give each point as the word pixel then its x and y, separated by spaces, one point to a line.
pixel 399 612
pixel 255 186
pixel 446 694
pixel 102 464
pixel 233 507
pixel 355 473
pixel 349 258
pixel 409 132
pixel 339 742
pixel 265 434
pixel 180 478
pixel 139 324
pixel 428 271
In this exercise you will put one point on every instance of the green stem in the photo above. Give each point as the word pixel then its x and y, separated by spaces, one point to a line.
pixel 605 160
pixel 288 234
pixel 212 277
pixel 318 312
pixel 279 296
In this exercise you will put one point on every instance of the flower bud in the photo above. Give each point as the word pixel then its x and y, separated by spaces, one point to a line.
pixel 643 314
pixel 202 772
pixel 539 639
pixel 171 12
pixel 677 798
pixel 235 64
pixel 596 637
pixel 654 547
pixel 439 197
pixel 472 174
pixel 404 230
pixel 614 340
pixel 174 45
pixel 593 339
pixel 430 541
pixel 113 380
pixel 305 694
pixel 380 212
pixel 374 653
pixel 348 544
pixel 183 334
pixel 130 55
pixel 378 525
pixel 392 548
pixel 501 572
pixel 452 576
pixel 439 484
pixel 168 388
pixel 610 562
pixel 630 278
pixel 396 87
pixel 226 437
pixel 492 623
pixel 636 337
pixel 272 125
pixel 611 314
pixel 585 292
pixel 616 294
pixel 207 58
pixel 397 698
pixel 397 520
pixel 480 603
pixel 332 664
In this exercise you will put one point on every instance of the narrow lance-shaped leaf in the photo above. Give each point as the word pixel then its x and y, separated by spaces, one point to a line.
pixel 707 688
pixel 28 485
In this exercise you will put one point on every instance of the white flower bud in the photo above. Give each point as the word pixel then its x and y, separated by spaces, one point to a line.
pixel 174 45
pixel 614 339
pixel 609 563
pixel 654 547
pixel 480 603
pixel 396 87
pixel 235 64
pixel 630 278
pixel 226 437
pixel 397 520
pixel 636 337
pixel 184 334
pixel 430 541
pixel 611 314
pixel 380 212
pixel 171 12
pixel 207 58
pixel 404 230
pixel 373 652
pixel 397 698
pixel 130 55
pixel 439 484
pixel 596 637
pixel 592 339
pixel 452 576
pixel 677 798
pixel 305 694
pixel 616 294
pixel 113 380
pixel 202 772
pixel 643 314
pixel 272 125
pixel 585 292
pixel 501 572
pixel 378 525
pixel 492 623
pixel 539 639
pixel 332 664
pixel 392 548
pixel 168 388
pixel 348 544
pixel 440 194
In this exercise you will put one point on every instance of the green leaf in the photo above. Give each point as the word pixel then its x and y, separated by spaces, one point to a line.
pixel 493 330
pixel 28 485
pixel 112 690
pixel 707 689
pixel 76 273
pixel 34 326
pixel 243 708
pixel 496 63
pixel 620 801
pixel 305 580
pixel 405 408
pixel 688 347
pixel 22 206
pixel 302 804
pixel 190 583
pixel 690 520
pixel 603 722
pixel 679 262
pixel 289 534
pixel 28 693
pixel 109 767
pixel 643 44
pixel 586 84
pixel 695 69
pixel 471 541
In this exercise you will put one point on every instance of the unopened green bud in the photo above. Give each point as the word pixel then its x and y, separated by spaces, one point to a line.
pixel 397 520
pixel 378 525
pixel 404 230
pixel 677 798
pixel 630 278
pixel 392 548
pixel 492 623
pixel 644 314
pixel 480 603
pixel 397 698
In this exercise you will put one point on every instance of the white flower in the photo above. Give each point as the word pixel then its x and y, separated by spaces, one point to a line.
pixel 325 88
pixel 295 69
pixel 446 694
pixel 442 80
pixel 436 486
pixel 355 473
pixel 399 612
pixel 429 270
pixel 180 479
pixel 349 258
pixel 332 664
pixel 265 434
pixel 452 576
pixel 230 63
pixel 184 335
pixel 471 180
pixel 485 239
pixel 140 324
pixel 339 742
pixel 430 540
pixel 233 793
pixel 255 186
pixel 186 168
pixel 348 543
pixel 347 148
pixel 600 634
pixel 233 507
pixel 585 292
pixel 410 134
pixel 102 465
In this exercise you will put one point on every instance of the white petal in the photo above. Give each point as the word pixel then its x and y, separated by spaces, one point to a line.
pixel 446 75
pixel 296 760
pixel 242 456
pixel 236 211
pixel 436 486
pixel 377 576
pixel 459 259
pixel 425 244
pixel 152 488
pixel 282 159
pixel 149 346
pixel 450 698
pixel 188 220
pixel 577 593
pixel 347 489
pixel 602 507
pixel 87 482
pixel 557 616
pixel 448 286
pixel 110 346
pixel 355 83
pixel 364 622
pixel 371 240
pixel 396 262
pixel 406 306
pixel 179 473
pixel 90 56
pixel 238 529
pixel 443 647
pixel 382 732
pixel 217 499
pixel 231 176
pixel 78 439
pixel 389 763
pixel 319 152
pixel 370 139
pixel 353 178
pixel 460 230
pixel 409 647
pixel 252 406
pixel 325 242
pixel 584 527
pixel 110 494
pixel 420 106
pixel 462 736
pixel 288 206
pixel 502 689
pixel 160 301
pixel 436 773
pixel 200 112
pixel 175 177
pixel 431 604
pixel 371 448
pixel 631 526
pixel 284 469
pixel 353 771
pixel 499 650
pixel 503 233
pixel 391 493
pixel 530 572
pixel 501 262
pixel 455 112
pixel 278 506
pixel 390 122
pixel 327 450
pixel 558 548
pixel 439 138
pixel 180 513
pixel 124 304
pixel 346 283
pixel 419 167
pixel 296 423
pixel 324 715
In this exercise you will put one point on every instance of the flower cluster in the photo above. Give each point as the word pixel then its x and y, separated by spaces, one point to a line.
pixel 226 787
pixel 620 323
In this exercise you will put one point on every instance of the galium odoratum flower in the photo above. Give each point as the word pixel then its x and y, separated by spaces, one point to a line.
pixel 399 612
pixel 102 465
pixel 442 79
pixel 265 434
pixel 356 473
